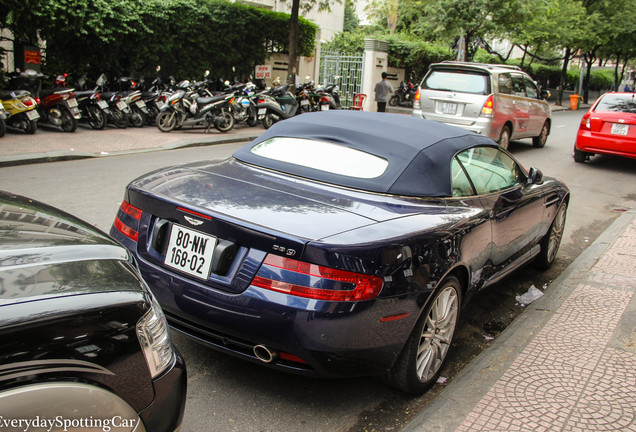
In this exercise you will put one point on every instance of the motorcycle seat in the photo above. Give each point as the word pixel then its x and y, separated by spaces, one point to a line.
pixel 207 100
pixel 14 94
pixel 83 93
pixel 58 90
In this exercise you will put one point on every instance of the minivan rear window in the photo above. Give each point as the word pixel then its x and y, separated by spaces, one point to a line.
pixel 458 81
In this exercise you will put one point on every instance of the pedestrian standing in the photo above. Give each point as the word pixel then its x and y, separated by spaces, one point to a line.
pixel 382 91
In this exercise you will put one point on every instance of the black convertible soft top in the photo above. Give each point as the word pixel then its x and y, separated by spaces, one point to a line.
pixel 419 151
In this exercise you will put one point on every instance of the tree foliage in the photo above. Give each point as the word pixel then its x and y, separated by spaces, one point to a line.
pixel 124 37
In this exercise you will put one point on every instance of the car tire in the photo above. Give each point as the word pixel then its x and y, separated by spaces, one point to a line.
pixel 539 141
pixel 504 138
pixel 420 362
pixel 579 156
pixel 551 241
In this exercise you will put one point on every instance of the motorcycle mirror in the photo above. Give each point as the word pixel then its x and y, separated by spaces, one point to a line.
pixel 207 72
pixel 158 68
pixel 233 69
pixel 102 80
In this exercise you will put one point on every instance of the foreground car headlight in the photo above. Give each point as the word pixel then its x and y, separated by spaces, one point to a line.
pixel 152 332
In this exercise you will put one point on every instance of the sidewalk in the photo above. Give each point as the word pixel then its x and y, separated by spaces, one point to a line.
pixel 567 363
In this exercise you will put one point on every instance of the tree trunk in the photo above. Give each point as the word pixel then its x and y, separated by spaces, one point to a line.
pixel 293 43
pixel 586 83
pixel 564 75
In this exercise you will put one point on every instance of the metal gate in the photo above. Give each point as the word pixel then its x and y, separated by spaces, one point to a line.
pixel 345 70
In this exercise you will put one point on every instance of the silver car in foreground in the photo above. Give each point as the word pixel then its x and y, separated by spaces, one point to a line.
pixel 498 101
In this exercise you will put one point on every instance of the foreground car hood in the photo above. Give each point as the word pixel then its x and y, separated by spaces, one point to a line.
pixel 45 252
pixel 278 202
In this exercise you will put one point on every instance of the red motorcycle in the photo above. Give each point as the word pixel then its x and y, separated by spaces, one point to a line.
pixel 57 106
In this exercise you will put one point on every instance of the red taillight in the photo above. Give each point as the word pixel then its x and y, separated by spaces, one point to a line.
pixel 487 109
pixel 417 94
pixel 585 122
pixel 126 230
pixel 37 101
pixel 130 210
pixel 313 281
pixel 28 102
pixel 291 357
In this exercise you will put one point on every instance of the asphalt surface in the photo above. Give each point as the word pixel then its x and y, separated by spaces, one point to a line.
pixel 568 362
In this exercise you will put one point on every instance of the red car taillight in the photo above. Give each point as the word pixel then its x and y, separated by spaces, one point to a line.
pixel 125 228
pixel 585 122
pixel 313 281
pixel 487 109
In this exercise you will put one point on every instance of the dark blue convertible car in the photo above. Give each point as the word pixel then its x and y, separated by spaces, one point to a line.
pixel 339 243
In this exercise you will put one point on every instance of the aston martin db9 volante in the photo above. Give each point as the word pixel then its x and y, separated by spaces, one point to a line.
pixel 85 346
pixel 339 243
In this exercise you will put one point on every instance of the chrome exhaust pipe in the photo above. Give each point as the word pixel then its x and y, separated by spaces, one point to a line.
pixel 265 354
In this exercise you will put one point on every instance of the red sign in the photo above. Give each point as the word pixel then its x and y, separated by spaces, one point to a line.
pixel 263 71
pixel 33 57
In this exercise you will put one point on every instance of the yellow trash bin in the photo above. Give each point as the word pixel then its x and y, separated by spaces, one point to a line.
pixel 574 102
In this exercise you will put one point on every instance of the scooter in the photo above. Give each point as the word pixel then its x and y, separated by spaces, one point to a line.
pixel 57 106
pixel 278 105
pixel 92 107
pixel 4 115
pixel 186 107
pixel 22 110
pixel 118 109
pixel 132 96
pixel 404 95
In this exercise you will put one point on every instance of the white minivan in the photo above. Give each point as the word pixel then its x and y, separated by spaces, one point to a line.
pixel 498 101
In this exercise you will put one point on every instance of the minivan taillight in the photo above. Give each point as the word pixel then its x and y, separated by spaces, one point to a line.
pixel 488 107
pixel 313 281
pixel 416 99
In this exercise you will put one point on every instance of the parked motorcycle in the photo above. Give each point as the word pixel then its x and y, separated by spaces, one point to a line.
pixel 244 104
pixel 187 107
pixel 22 110
pixel 118 109
pixel 132 97
pixel 403 95
pixel 94 110
pixel 57 106
pixel 275 105
pixel 4 115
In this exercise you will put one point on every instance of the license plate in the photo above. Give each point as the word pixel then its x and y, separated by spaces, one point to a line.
pixel 304 102
pixel 190 251
pixel 122 105
pixel 33 115
pixel 141 104
pixel 72 103
pixel 620 129
pixel 324 107
pixel 262 111
pixel 449 108
pixel 75 112
pixel 102 104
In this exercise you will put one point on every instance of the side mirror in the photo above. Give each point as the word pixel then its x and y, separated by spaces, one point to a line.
pixel 535 176
pixel 545 94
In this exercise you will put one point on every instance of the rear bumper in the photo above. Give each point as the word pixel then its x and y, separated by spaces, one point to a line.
pixel 589 142
pixel 481 125
pixel 309 337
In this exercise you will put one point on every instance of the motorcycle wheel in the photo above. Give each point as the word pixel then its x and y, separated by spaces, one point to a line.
pixel 224 122
pixel 31 126
pixel 137 119
pixel 3 128
pixel 267 121
pixel 96 118
pixel 118 118
pixel 252 119
pixel 69 123
pixel 166 121
pixel 394 101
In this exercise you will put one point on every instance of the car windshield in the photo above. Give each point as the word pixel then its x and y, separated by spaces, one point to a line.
pixel 618 103
pixel 464 82
pixel 323 156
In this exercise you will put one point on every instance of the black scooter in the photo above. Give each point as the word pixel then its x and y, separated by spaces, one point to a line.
pixel 275 105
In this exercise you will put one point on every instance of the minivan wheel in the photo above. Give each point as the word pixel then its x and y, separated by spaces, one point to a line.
pixel 504 138
pixel 539 141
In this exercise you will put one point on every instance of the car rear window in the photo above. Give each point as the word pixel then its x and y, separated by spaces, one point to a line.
pixel 458 81
pixel 323 156
pixel 618 103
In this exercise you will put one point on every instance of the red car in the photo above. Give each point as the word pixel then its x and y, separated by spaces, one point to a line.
pixel 609 127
